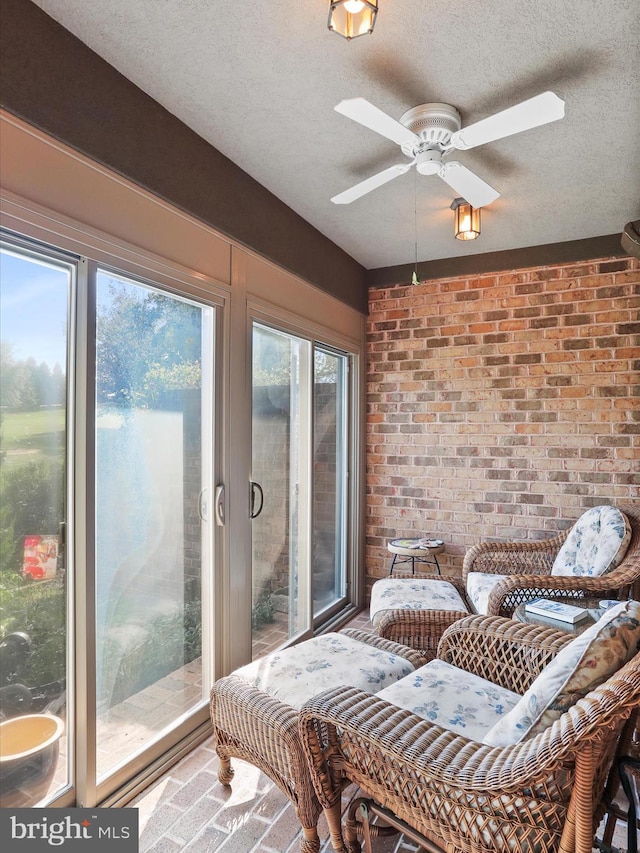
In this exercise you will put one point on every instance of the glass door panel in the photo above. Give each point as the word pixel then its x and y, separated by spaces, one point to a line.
pixel 281 482
pixel 153 434
pixel 329 479
pixel 34 310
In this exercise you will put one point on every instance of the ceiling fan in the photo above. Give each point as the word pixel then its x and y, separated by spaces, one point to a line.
pixel 430 132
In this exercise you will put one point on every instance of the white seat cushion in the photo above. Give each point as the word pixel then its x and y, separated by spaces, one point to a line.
pixel 452 698
pixel 596 543
pixel 479 588
pixel 299 673
pixel 413 594
pixel 577 669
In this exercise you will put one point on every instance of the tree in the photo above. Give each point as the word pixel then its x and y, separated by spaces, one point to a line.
pixel 58 386
pixel 42 384
pixel 143 339
pixel 25 385
pixel 7 373
pixel 273 361
pixel 24 390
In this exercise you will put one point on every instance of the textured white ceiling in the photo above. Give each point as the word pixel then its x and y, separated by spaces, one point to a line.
pixel 259 79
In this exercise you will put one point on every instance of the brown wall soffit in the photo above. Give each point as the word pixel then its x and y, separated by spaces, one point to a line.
pixel 52 80
pixel 571 251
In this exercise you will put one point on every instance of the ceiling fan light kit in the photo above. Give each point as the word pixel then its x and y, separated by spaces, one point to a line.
pixel 429 133
pixel 466 222
pixel 352 18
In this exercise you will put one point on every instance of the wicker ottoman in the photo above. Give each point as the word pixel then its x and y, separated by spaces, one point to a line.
pixel 254 710
pixel 415 611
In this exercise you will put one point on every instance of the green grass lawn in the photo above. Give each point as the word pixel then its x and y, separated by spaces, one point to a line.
pixel 32 435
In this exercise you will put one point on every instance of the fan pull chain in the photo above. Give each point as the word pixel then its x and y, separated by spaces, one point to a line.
pixel 414 277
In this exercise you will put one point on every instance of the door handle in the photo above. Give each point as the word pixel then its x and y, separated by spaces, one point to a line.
pixel 203 505
pixel 219 506
pixel 256 488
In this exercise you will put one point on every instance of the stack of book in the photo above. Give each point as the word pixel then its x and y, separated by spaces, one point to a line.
pixel 556 610
pixel 431 543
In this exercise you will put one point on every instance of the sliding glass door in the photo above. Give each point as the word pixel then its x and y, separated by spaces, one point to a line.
pixel 106 544
pixel 153 430
pixel 330 466
pixel 113 617
pixel 280 480
pixel 299 484
pixel 35 308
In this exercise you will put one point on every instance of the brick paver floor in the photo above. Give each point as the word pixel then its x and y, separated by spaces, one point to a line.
pixel 188 809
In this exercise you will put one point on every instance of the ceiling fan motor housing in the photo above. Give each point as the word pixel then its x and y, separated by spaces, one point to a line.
pixel 434 124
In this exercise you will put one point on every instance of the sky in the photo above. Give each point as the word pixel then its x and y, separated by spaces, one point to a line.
pixel 33 309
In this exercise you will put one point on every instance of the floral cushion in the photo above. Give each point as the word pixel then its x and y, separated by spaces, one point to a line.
pixel 479 588
pixel 576 670
pixel 596 544
pixel 299 673
pixel 413 594
pixel 454 699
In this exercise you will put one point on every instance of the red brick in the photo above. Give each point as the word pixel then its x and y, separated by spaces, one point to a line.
pixel 558 393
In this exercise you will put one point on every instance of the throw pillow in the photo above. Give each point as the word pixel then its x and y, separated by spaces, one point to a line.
pixel 576 670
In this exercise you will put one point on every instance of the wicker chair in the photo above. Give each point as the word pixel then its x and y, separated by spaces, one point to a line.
pixel 460 796
pixel 623 789
pixel 527 570
pixel 527 567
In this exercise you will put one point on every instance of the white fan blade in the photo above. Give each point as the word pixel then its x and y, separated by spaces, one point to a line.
pixel 467 184
pixel 371 183
pixel 360 110
pixel 536 111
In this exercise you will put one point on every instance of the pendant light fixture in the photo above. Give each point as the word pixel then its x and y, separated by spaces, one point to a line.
pixel 352 18
pixel 466 224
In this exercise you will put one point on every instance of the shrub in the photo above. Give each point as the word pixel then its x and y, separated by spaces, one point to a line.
pixel 8 543
pixel 32 496
pixel 38 609
pixel 262 611
pixel 137 654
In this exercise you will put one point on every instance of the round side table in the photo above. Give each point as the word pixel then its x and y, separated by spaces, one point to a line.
pixel 415 551
pixel 521 615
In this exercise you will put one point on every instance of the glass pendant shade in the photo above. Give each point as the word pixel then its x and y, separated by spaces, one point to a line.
pixel 466 225
pixel 352 18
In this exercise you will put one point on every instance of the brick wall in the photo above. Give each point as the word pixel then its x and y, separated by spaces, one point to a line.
pixel 500 406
